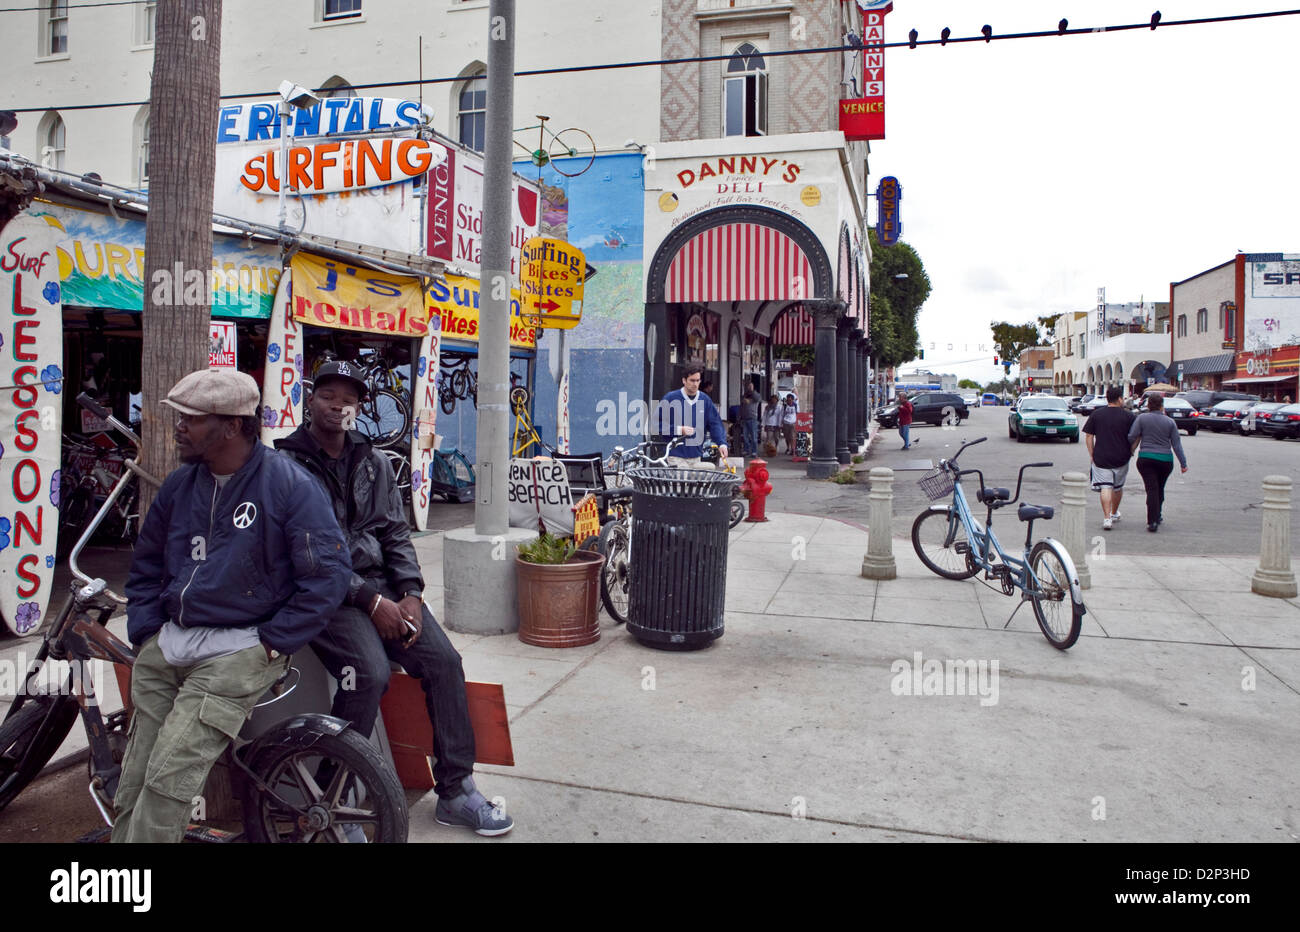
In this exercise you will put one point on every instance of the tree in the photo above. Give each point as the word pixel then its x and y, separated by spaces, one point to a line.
pixel 899 286
pixel 969 383
pixel 1013 339
pixel 183 101
pixel 1048 323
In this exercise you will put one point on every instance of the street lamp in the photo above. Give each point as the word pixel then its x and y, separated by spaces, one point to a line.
pixel 291 95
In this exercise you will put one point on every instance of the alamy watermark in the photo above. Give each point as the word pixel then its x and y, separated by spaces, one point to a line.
pixel 49 678
pixel 920 677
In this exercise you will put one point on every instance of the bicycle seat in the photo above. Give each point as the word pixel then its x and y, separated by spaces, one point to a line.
pixel 1034 512
pixel 988 496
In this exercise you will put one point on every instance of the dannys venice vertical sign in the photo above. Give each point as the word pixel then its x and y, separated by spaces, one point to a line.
pixel 864 117
pixel 31 410
pixel 347 297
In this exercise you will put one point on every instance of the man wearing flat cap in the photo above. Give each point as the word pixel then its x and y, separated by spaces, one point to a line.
pixel 383 616
pixel 239 563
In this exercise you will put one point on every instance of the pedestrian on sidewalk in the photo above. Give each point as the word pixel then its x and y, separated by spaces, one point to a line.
pixel 905 422
pixel 772 422
pixel 789 417
pixel 749 405
pixel 690 412
pixel 1155 439
pixel 1109 448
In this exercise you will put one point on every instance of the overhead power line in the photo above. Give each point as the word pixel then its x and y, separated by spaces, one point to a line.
pixel 669 62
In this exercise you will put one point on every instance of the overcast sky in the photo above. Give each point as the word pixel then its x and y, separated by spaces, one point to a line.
pixel 1035 171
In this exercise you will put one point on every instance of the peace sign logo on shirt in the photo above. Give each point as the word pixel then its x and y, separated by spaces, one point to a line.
pixel 245 515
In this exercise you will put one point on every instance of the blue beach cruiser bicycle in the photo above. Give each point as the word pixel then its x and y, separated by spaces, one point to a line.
pixel 952 542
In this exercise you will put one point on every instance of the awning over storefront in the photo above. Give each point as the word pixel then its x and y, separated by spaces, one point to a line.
pixel 794 326
pixel 1205 365
pixel 1260 379
pixel 737 262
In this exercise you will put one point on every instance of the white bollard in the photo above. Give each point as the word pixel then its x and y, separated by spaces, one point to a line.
pixel 1274 576
pixel 1074 520
pixel 879 561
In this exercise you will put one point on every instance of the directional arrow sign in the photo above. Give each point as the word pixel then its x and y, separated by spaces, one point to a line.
pixel 551 279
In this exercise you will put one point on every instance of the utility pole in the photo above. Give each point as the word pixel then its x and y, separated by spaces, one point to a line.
pixel 479 563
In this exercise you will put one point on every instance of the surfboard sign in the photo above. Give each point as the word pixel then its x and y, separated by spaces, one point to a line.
pixel 31 418
pixel 425 422
pixel 282 378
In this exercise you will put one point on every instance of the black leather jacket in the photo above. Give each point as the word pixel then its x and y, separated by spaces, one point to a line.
pixel 370 512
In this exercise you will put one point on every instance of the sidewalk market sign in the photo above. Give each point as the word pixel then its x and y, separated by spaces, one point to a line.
pixel 327 293
pixel 31 413
pixel 455 220
pixel 100 263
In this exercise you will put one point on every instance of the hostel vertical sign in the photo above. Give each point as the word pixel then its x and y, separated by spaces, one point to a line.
pixel 864 117
pixel 31 414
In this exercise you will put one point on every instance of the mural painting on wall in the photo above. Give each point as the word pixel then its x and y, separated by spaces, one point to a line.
pixel 696 339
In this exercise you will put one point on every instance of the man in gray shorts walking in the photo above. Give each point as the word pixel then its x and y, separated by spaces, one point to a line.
pixel 1108 446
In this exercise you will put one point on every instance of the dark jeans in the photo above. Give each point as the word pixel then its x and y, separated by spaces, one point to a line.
pixel 1154 475
pixel 749 438
pixel 350 640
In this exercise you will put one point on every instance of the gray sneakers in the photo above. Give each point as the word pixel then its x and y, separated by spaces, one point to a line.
pixel 472 810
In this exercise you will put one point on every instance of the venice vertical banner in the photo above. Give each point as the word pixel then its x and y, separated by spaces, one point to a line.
pixel 31 416
pixel 864 117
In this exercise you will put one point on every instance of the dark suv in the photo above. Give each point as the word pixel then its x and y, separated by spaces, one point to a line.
pixel 928 408
pixel 1203 399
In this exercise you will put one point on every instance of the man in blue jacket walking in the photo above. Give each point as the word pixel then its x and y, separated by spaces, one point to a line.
pixel 688 412
pixel 239 564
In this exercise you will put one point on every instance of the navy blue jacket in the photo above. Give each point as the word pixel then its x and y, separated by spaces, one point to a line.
pixel 266 551
pixel 674 410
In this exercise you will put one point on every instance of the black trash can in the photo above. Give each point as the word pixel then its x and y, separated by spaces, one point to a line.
pixel 678 582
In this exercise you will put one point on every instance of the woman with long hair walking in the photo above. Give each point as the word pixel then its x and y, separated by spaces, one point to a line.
pixel 1155 440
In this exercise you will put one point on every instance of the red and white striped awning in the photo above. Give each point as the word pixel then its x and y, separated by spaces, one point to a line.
pixel 739 262
pixel 793 326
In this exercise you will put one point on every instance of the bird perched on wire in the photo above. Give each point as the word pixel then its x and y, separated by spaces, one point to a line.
pixel 988 32
pixel 943 36
pixel 1063 25
pixel 1155 19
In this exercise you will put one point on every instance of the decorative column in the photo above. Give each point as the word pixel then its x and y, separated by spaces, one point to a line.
pixel 1274 576
pixel 823 464
pixel 879 560
pixel 843 381
pixel 859 404
pixel 1074 507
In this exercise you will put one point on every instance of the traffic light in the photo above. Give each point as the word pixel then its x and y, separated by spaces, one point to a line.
pixel 1031 381
pixel 995 360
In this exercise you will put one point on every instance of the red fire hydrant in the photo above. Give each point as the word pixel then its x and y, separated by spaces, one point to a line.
pixel 756 488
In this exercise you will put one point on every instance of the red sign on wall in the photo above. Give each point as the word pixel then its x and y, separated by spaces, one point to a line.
pixel 864 118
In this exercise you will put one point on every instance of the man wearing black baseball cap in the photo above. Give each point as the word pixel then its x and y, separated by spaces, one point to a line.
pixel 239 563
pixel 383 616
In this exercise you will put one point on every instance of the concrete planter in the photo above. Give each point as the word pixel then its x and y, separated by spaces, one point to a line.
pixel 559 602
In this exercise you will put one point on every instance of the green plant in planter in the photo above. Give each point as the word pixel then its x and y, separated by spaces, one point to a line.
pixel 547 549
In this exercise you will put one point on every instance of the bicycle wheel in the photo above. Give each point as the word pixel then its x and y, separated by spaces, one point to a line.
pixel 359 791
pixel 460 383
pixel 942 544
pixel 385 419
pixel 446 395
pixel 26 747
pixel 1059 612
pixel 614 579
pixel 737 512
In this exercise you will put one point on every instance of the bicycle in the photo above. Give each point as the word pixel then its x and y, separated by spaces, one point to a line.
pixel 954 544
pixel 81 493
pixel 307 778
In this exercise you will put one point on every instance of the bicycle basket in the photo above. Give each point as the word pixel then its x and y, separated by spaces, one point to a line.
pixel 936 484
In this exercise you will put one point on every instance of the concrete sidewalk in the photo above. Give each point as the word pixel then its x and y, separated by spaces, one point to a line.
pixel 1174 718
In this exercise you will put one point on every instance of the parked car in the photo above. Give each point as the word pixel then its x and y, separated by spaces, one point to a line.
pixel 1076 403
pixel 927 408
pixel 1043 416
pixel 1225 415
pixel 1283 423
pixel 1203 399
pixel 1087 407
pixel 1185 416
pixel 989 398
pixel 1250 420
pixel 972 399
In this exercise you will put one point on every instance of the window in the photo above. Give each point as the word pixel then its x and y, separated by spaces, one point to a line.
pixel 472 112
pixel 1042 363
pixel 1182 325
pixel 1228 318
pixel 1202 320
pixel 54 38
pixel 146 18
pixel 744 94
pixel 53 141
pixel 142 147
pixel 341 9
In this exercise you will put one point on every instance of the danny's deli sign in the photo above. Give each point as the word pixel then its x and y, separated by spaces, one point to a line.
pixel 864 117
